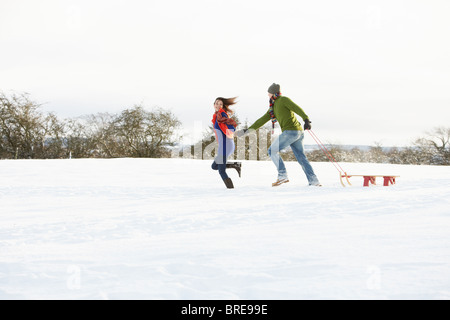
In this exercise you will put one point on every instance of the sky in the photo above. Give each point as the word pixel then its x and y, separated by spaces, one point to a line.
pixel 364 72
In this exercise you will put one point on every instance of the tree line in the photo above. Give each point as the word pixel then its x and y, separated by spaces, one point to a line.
pixel 26 132
pixel 433 149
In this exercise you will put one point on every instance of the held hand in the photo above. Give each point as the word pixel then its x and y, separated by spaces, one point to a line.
pixel 307 125
pixel 241 133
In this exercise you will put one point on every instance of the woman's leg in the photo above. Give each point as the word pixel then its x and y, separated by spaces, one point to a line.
pixel 226 148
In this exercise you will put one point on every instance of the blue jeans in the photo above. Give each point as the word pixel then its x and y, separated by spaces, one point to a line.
pixel 294 139
pixel 226 148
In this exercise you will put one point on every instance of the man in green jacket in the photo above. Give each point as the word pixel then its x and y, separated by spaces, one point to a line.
pixel 283 110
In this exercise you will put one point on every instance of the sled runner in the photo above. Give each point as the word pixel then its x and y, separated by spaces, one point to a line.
pixel 368 179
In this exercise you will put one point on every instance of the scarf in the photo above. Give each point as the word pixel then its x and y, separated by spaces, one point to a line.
pixel 221 119
pixel 272 115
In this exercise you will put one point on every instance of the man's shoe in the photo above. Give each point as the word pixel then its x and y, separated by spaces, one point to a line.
pixel 279 182
pixel 315 184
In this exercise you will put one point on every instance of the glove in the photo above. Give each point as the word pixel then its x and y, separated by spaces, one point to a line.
pixel 240 133
pixel 307 125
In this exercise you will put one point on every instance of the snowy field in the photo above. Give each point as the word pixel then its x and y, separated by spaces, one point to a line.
pixel 168 229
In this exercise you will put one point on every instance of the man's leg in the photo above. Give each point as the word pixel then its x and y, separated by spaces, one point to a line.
pixel 280 143
pixel 299 153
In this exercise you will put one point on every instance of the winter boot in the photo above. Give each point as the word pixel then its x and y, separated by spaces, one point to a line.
pixel 235 165
pixel 229 183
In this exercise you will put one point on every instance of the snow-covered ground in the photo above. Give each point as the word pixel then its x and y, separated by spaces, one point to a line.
pixel 168 229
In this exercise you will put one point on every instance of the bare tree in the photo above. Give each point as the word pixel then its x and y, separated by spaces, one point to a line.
pixel 436 146
pixel 54 146
pixel 80 139
pixel 100 135
pixel 141 133
pixel 23 129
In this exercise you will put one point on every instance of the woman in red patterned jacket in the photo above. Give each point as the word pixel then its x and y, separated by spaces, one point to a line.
pixel 224 128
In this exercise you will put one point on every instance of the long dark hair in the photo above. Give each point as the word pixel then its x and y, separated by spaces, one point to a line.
pixel 227 102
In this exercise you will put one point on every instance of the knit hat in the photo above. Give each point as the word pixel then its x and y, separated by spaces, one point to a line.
pixel 274 88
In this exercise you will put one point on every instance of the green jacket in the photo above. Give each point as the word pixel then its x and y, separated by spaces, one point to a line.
pixel 284 110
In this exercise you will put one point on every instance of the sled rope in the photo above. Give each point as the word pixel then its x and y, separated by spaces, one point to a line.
pixel 368 179
pixel 327 153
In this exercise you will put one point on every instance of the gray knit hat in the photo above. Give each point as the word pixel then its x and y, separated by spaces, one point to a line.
pixel 274 88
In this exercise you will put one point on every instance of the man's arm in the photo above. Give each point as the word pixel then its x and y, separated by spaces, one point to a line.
pixel 295 108
pixel 260 122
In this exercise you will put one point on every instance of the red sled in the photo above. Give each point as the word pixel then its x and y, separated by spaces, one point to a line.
pixel 369 179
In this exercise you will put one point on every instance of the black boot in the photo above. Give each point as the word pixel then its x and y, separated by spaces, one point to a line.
pixel 229 183
pixel 235 165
